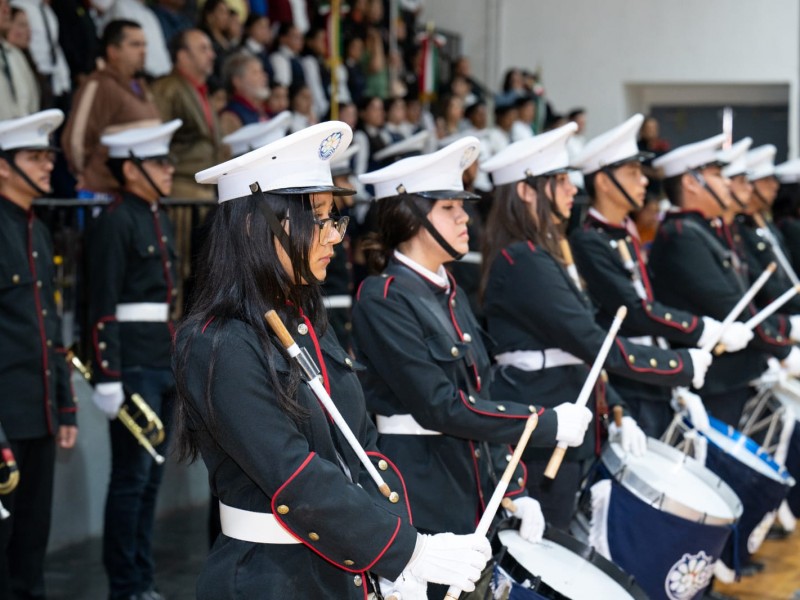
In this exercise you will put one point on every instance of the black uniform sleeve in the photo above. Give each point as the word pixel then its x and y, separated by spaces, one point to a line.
pixel 610 287
pixel 695 270
pixel 392 342
pixel 544 301
pixel 108 243
pixel 309 494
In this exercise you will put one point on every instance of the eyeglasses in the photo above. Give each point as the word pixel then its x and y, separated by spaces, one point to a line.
pixel 325 226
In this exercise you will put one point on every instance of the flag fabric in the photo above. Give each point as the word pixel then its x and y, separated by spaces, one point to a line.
pixel 431 44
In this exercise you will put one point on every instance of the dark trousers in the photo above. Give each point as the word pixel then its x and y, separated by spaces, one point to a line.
pixel 23 536
pixel 727 407
pixel 132 490
pixel 557 496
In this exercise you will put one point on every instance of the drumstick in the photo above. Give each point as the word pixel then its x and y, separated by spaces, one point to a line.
pixel 558 452
pixel 566 253
pixel 773 306
pixel 313 381
pixel 629 265
pixel 776 249
pixel 740 306
pixel 497 496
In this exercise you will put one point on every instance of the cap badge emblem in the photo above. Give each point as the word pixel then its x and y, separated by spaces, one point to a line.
pixel 329 145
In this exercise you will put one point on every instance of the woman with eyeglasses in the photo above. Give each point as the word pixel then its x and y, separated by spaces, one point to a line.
pixel 428 369
pixel 301 517
pixel 541 319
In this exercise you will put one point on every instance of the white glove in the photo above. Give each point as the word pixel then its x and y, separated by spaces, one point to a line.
pixel 693 404
pixel 792 362
pixel 711 331
pixel 450 559
pixel 737 336
pixel 572 422
pixel 701 360
pixel 108 397
pixel 794 330
pixel 629 435
pixel 405 587
pixel 529 512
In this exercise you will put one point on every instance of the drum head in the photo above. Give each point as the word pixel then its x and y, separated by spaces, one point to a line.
pixel 671 481
pixel 567 566
pixel 746 451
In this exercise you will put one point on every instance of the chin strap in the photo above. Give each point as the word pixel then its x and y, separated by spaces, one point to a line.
pixel 610 173
pixel 422 217
pixel 702 181
pixel 9 158
pixel 551 200
pixel 736 199
pixel 760 197
pixel 139 165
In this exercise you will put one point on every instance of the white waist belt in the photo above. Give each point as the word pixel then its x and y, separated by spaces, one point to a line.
pixel 403 425
pixel 249 526
pixel 536 360
pixel 642 340
pixel 339 301
pixel 156 312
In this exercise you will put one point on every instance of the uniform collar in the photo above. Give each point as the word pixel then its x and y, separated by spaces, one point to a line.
pixel 14 208
pixel 439 279
pixel 627 226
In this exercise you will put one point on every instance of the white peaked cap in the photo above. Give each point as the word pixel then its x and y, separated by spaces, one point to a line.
pixel 255 135
pixel 691 156
pixel 540 155
pixel 735 157
pixel 788 172
pixel 615 146
pixel 141 141
pixel 297 163
pixel 31 132
pixel 408 146
pixel 761 162
pixel 437 174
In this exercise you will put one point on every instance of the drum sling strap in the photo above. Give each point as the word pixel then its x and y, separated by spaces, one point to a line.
pixel 718 251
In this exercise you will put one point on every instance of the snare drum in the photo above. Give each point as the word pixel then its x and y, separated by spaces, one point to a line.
pixel 787 391
pixel 760 482
pixel 663 518
pixel 560 568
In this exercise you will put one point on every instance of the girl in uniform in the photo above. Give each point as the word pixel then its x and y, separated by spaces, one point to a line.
pixel 300 516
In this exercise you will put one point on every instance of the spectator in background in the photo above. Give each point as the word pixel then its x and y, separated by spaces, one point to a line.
pixel 278 100
pixel 235 29
pixel 576 143
pixel 370 136
pixel 289 12
pixel 257 40
pixel 47 53
pixel 301 104
pixel 451 120
pixel 110 96
pixel 81 45
pixel 248 90
pixel 214 22
pixel 286 63
pixel 183 94
pixel 19 90
pixel 171 17
pixel 397 127
pixel 463 68
pixel 505 114
pixel 19 36
pixel 421 119
pixel 522 128
pixel 356 76
pixel 376 66
pixel 650 141
pixel 157 62
pixel 513 81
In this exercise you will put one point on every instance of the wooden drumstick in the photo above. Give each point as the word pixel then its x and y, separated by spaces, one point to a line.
pixel 630 266
pixel 588 386
pixel 497 496
pixel 772 307
pixel 566 253
pixel 714 345
pixel 313 381
pixel 617 411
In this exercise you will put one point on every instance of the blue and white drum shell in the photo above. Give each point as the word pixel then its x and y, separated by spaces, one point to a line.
pixel 669 480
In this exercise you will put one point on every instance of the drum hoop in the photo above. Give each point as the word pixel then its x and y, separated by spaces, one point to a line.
pixel 781 474
pixel 585 552
pixel 629 479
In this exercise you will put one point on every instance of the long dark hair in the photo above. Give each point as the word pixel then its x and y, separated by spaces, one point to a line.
pixel 510 220
pixel 241 277
pixel 396 223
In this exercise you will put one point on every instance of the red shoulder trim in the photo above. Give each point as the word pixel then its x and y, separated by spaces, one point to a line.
pixel 486 413
pixel 531 246
pixel 524 485
pixel 386 286
pixel 203 330
pixel 358 291
pixel 507 256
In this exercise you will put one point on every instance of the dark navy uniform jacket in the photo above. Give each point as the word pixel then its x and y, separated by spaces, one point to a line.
pixel 260 459
pixel 531 304
pixel 131 257
pixel 758 254
pixel 790 228
pixel 611 285
pixel 425 357
pixel 693 269
pixel 37 395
